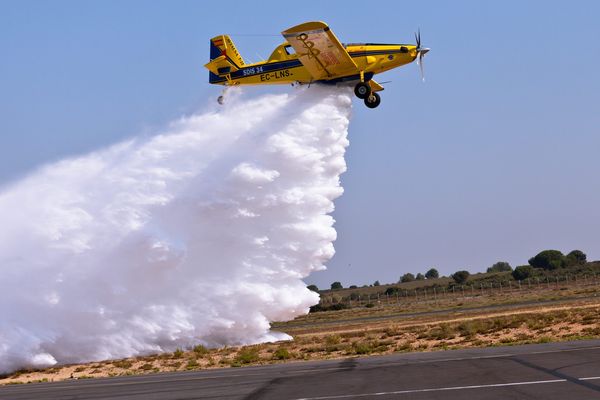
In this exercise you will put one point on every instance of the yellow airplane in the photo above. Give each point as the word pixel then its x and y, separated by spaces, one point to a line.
pixel 311 54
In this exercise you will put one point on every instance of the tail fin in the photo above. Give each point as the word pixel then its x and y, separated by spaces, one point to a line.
pixel 224 58
pixel 222 45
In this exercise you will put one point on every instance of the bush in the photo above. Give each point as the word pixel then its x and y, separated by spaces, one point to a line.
pixel 314 288
pixel 336 286
pixel 281 354
pixel 391 290
pixel 576 257
pixel 408 277
pixel 461 277
pixel 331 307
pixel 548 259
pixel 420 277
pixel 178 353
pixel 522 272
pixel 500 266
pixel 247 355
pixel 432 274
pixel 200 350
pixel 376 283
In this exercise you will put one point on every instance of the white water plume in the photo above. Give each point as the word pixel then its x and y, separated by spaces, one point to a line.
pixel 201 234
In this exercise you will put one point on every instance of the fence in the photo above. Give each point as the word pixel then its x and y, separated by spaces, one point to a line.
pixel 402 296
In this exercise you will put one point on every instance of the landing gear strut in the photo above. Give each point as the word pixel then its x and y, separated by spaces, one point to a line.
pixel 363 91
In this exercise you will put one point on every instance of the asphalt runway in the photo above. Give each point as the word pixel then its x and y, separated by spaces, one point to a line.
pixel 569 370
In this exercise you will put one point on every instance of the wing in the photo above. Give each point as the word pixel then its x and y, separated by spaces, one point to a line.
pixel 320 51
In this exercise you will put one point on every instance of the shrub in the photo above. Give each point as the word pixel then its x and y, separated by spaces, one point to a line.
pixel 408 277
pixel 247 355
pixel 391 290
pixel 314 288
pixel 192 364
pixel 548 259
pixel 461 277
pixel 336 286
pixel 500 266
pixel 125 364
pixel 146 367
pixel 281 354
pixel 376 283
pixel 178 353
pixel 522 272
pixel 432 274
pixel 200 350
pixel 331 307
pixel 420 277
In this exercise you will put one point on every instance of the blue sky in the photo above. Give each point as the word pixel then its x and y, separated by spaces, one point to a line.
pixel 494 157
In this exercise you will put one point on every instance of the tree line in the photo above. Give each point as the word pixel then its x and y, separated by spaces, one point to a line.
pixel 547 260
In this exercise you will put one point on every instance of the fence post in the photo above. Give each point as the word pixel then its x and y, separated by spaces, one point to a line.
pixel 519 285
pixel 548 282
pixel 528 283
pixel 482 289
pixel 462 287
pixel 472 291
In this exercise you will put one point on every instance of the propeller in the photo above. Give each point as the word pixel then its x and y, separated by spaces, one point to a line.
pixel 421 51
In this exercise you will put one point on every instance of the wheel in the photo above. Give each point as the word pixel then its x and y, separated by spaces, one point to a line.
pixel 362 90
pixel 373 100
pixel 220 100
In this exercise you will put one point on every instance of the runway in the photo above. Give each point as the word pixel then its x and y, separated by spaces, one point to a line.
pixel 569 370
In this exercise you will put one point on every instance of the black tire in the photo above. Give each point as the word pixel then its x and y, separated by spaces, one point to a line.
pixel 221 100
pixel 362 90
pixel 373 100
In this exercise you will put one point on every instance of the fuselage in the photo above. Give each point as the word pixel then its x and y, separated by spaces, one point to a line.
pixel 283 66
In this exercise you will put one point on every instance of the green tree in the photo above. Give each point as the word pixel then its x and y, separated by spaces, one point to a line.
pixel 420 277
pixel 500 266
pixel 548 259
pixel 376 283
pixel 461 277
pixel 408 277
pixel 314 288
pixel 576 257
pixel 432 274
pixel 336 286
pixel 522 272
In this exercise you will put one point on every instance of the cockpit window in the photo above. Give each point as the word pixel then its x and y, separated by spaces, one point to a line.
pixel 289 50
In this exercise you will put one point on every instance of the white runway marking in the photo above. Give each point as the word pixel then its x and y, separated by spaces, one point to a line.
pixel 493 385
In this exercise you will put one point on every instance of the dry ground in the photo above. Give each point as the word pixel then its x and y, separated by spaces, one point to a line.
pixel 378 330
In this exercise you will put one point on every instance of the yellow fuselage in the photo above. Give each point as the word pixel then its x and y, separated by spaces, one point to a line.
pixel 282 67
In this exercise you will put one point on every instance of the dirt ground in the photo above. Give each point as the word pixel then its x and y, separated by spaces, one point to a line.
pixel 344 334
